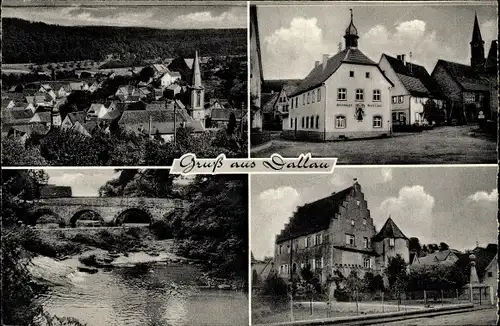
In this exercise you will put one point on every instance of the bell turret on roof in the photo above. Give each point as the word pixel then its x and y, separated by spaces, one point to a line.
pixel 196 81
pixel 351 34
pixel 389 230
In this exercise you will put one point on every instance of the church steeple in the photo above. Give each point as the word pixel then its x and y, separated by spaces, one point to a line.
pixel 476 46
pixel 351 35
pixel 197 93
pixel 196 81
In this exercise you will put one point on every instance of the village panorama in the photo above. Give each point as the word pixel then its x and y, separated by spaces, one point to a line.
pixel 102 95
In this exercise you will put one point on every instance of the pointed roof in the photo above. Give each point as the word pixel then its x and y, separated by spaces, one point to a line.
pixel 389 230
pixel 491 60
pixel 351 29
pixel 476 32
pixel 196 81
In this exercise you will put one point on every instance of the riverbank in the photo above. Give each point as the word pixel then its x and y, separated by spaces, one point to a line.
pixel 136 248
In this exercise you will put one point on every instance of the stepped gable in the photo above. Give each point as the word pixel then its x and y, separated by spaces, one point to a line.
pixel 313 217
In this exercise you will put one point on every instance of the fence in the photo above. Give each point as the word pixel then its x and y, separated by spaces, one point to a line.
pixel 271 309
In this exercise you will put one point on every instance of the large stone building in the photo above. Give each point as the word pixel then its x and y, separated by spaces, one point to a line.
pixel 336 234
pixel 471 90
pixel 344 96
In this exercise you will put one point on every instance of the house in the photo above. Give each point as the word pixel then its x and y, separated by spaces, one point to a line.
pixel 490 277
pixel 159 69
pixel 43 117
pixel 344 96
pixel 413 87
pixel 20 114
pixel 467 88
pixel 269 106
pixel 220 117
pixel 95 86
pixel 157 123
pixel 24 132
pixel 158 94
pixel 172 90
pixel 335 235
pixel 256 74
pixel 7 103
pixel 168 78
pixel 217 104
pixel 96 110
pixel 40 99
pixel 62 90
pixel 72 118
pixel 129 93
pixel 78 86
pixel 86 128
pixel 447 257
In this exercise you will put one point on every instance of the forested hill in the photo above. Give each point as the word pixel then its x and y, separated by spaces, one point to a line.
pixel 36 42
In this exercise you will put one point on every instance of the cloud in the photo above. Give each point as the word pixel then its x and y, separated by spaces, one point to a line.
pixel 228 19
pixel 483 196
pixel 372 175
pixel 298 45
pixel 386 174
pixel 273 208
pixel 408 36
pixel 82 184
pixel 412 211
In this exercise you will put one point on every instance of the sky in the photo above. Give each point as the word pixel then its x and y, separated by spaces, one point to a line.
pixel 456 205
pixel 293 37
pixel 86 183
pixel 157 14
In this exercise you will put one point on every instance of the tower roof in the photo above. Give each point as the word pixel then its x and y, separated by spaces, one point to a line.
pixel 476 32
pixel 351 29
pixel 389 230
pixel 196 82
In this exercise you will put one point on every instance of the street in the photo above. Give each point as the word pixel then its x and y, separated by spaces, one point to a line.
pixel 477 317
pixel 442 145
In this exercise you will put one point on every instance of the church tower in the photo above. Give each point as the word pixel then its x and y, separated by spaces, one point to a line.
pixel 351 35
pixel 476 47
pixel 197 93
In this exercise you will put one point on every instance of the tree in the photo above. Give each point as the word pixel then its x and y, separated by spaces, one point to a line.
pixel 443 246
pixel 146 73
pixel 414 245
pixel 14 153
pixel 432 247
pixel 354 285
pixel 432 113
pixel 396 275
pixel 231 124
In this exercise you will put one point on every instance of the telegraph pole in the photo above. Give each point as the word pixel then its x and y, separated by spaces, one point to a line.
pixel 175 123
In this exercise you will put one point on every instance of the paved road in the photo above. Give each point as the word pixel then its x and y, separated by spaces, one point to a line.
pixel 477 317
pixel 459 144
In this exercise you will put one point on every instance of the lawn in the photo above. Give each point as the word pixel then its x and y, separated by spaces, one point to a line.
pixel 441 145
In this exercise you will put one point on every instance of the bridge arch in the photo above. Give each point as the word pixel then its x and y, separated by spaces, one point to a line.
pixel 87 215
pixel 133 215
pixel 49 214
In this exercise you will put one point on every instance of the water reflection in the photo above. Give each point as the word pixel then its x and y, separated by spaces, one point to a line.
pixel 162 295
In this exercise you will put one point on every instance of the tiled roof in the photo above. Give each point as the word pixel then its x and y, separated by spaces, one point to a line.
pixel 225 114
pixel 465 76
pixel 31 129
pixel 414 77
pixel 44 117
pixel 389 230
pixel 131 106
pixel 172 87
pixel 222 102
pixel 9 119
pixel 15 96
pixel 268 101
pixel 143 116
pixel 491 60
pixel 155 106
pixel 77 116
pixel 313 217
pixel 319 75
pixel 21 113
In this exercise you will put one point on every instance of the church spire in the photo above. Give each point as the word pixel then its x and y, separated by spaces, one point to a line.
pixel 196 82
pixel 351 34
pixel 477 46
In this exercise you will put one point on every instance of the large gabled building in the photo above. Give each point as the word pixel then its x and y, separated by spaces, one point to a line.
pixel 336 234
pixel 344 96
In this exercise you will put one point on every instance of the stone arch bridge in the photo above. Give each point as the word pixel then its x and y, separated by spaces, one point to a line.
pixel 109 210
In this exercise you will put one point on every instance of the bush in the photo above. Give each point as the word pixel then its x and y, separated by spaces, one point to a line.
pixel 162 229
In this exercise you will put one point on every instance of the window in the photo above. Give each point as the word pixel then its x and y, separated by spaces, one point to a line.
pixel 280 248
pixel 308 241
pixel 303 122
pixel 308 97
pixel 313 96
pixel 376 95
pixel 319 239
pixel 400 99
pixel 391 242
pixel 367 263
pixel 319 94
pixel 394 99
pixel 358 202
pixel 340 122
pixel 341 94
pixel 319 262
pixel 313 264
pixel 295 123
pixel 291 123
pixel 317 122
pixel 352 222
pixel 490 274
pixel 350 239
pixel 394 116
pixel 377 121
pixel 360 95
pixel 281 269
pixel 325 238
pixel 367 75
pixel 364 221
pixel 351 73
pixel 303 99
pixel 365 242
pixel 312 121
pixel 307 122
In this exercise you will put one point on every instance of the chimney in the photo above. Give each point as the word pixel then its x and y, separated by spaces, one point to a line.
pixel 325 60
pixel 408 66
pixel 399 57
pixel 316 64
pixel 355 180
pixel 403 58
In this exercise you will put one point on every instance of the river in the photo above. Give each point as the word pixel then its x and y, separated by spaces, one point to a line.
pixel 164 295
